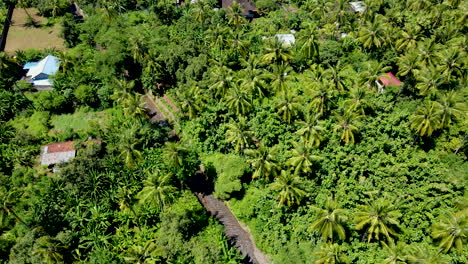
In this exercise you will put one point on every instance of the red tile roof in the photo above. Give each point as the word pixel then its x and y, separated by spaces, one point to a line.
pixel 60 147
pixel 389 79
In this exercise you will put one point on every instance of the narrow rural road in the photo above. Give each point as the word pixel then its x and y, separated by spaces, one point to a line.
pixel 233 229
pixel 202 188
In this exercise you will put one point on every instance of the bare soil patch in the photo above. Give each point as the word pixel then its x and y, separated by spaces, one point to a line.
pixel 41 36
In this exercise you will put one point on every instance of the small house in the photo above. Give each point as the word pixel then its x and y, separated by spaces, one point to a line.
pixel 56 153
pixel 358 6
pixel 286 39
pixel 39 72
pixel 386 80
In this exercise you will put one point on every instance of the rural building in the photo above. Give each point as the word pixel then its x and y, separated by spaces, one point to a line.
pixel 358 6
pixel 39 72
pixel 286 39
pixel 386 80
pixel 58 153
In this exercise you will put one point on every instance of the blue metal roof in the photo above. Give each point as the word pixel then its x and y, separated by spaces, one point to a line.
pixel 28 65
pixel 48 66
pixel 51 65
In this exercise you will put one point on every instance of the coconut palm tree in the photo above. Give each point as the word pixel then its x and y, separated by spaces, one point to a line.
pixel 288 107
pixel 334 73
pixel 428 80
pixel 238 134
pixel 357 101
pixel 328 220
pixel 409 37
pixel 280 76
pixel 128 142
pixel 310 47
pixel 122 89
pixel 451 63
pixel 425 254
pixel 157 190
pixel 238 100
pixel 191 100
pixel 373 35
pixel 348 125
pixel 451 106
pixel 329 253
pixel 290 187
pixel 9 197
pixel 428 49
pixel 408 64
pixel 373 71
pixel 173 154
pixel 235 15
pixel 310 129
pixel 252 78
pixel 452 230
pixel 320 95
pixel 427 119
pixel 378 218
pixel 396 253
pixel 301 157
pixel 133 105
pixel 221 80
pixel 277 53
pixel 49 250
pixel 262 159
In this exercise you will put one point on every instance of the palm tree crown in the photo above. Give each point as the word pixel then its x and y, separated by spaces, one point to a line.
pixel 328 220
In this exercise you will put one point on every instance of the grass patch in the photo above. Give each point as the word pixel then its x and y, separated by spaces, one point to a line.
pixel 80 124
pixel 38 35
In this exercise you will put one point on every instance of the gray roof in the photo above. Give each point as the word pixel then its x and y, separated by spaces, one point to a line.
pixel 286 39
pixel 358 6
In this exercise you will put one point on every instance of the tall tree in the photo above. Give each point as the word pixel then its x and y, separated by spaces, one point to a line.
pixel 378 218
pixel 238 134
pixel 427 119
pixel 373 34
pixel 157 190
pixel 280 76
pixel 288 107
pixel 348 125
pixel 49 249
pixel 238 100
pixel 451 106
pixel 262 159
pixel 310 129
pixel 128 142
pixel 290 187
pixel 329 253
pixel 328 220
pixel 452 230
pixel 277 53
pixel 301 158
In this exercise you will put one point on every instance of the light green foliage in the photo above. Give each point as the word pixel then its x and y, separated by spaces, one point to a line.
pixel 36 125
pixel 229 170
pixel 253 108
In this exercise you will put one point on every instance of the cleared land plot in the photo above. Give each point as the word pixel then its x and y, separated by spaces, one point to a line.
pixel 80 122
pixel 22 37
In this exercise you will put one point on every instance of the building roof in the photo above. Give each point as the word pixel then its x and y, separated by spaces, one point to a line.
pixel 388 79
pixel 58 153
pixel 358 6
pixel 48 66
pixel 246 5
pixel 286 39
pixel 28 65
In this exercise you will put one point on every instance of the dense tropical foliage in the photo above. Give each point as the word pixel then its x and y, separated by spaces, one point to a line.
pixel 318 159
